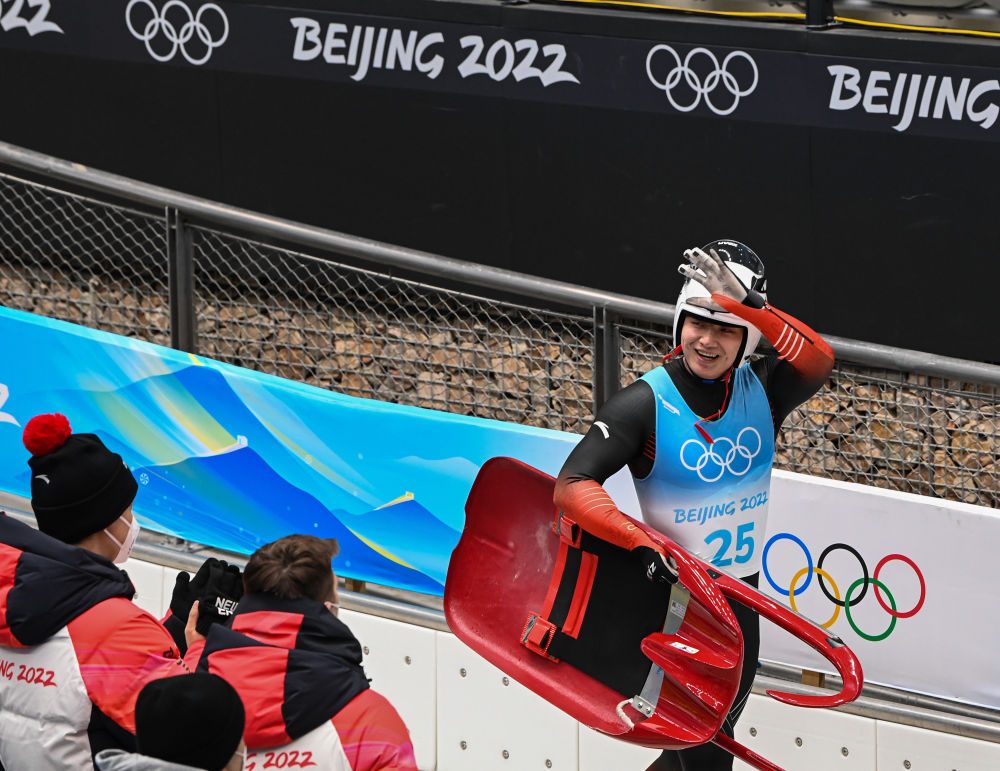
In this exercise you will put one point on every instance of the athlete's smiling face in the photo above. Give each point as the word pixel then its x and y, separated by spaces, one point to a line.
pixel 709 349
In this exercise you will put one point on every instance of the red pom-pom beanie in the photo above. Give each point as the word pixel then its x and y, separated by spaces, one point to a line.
pixel 78 486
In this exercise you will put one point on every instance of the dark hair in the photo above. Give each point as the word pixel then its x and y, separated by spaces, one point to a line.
pixel 293 567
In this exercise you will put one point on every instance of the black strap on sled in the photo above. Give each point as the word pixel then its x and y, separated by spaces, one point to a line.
pixel 598 608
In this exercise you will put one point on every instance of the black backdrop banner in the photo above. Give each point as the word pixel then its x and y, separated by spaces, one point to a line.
pixel 659 76
pixel 580 144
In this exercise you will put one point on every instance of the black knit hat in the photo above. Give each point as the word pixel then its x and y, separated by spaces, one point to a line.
pixel 195 720
pixel 78 486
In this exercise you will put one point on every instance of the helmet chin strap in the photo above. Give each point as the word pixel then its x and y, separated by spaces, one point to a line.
pixel 725 398
pixel 717 413
pixel 671 354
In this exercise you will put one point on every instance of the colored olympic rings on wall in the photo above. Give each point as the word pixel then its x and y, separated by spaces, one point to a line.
pixel 920 576
pixel 892 618
pixel 856 591
pixel 823 574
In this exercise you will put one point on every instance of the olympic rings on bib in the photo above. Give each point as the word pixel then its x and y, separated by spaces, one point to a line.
pixel 855 592
pixel 736 457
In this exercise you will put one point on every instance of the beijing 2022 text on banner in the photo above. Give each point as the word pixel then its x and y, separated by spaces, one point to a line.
pixel 710 81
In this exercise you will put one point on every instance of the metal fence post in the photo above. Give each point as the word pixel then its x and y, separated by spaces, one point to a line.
pixel 819 14
pixel 180 258
pixel 607 355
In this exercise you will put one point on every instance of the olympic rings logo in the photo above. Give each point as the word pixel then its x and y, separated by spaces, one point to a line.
pixel 719 75
pixel 178 32
pixel 850 599
pixel 710 465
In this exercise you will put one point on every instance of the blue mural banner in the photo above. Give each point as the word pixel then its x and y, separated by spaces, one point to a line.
pixel 233 458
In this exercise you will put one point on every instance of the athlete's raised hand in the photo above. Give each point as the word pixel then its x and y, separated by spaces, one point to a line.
pixel 712 273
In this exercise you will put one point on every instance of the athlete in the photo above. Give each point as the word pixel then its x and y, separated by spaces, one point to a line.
pixel 697 435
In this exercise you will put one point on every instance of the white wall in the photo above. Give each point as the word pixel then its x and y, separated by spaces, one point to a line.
pixel 465 715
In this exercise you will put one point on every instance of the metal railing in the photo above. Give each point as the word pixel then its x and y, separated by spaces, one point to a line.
pixel 380 321
pixel 876 702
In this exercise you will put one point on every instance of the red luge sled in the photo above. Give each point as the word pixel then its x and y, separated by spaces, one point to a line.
pixel 573 619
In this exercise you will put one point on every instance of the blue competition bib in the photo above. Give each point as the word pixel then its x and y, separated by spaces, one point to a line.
pixel 711 497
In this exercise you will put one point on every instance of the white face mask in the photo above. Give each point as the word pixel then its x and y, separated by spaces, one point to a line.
pixel 125 547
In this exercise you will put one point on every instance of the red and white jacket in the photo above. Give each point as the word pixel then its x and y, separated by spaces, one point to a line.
pixel 297 668
pixel 74 653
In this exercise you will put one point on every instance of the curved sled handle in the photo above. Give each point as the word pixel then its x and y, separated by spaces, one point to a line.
pixel 831 647
pixel 745 754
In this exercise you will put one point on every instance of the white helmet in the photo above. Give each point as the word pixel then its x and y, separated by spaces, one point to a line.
pixel 696 299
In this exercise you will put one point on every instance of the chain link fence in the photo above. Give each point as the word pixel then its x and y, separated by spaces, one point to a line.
pixel 78 259
pixel 369 334
pixel 323 320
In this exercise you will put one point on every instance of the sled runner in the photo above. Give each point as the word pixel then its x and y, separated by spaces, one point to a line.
pixel 573 618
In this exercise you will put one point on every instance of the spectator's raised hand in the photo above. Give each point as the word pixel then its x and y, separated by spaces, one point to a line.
pixel 220 595
pixel 187 589
pixel 217 585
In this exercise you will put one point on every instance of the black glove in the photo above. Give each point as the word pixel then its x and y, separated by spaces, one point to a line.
pixel 217 602
pixel 658 567
pixel 187 590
